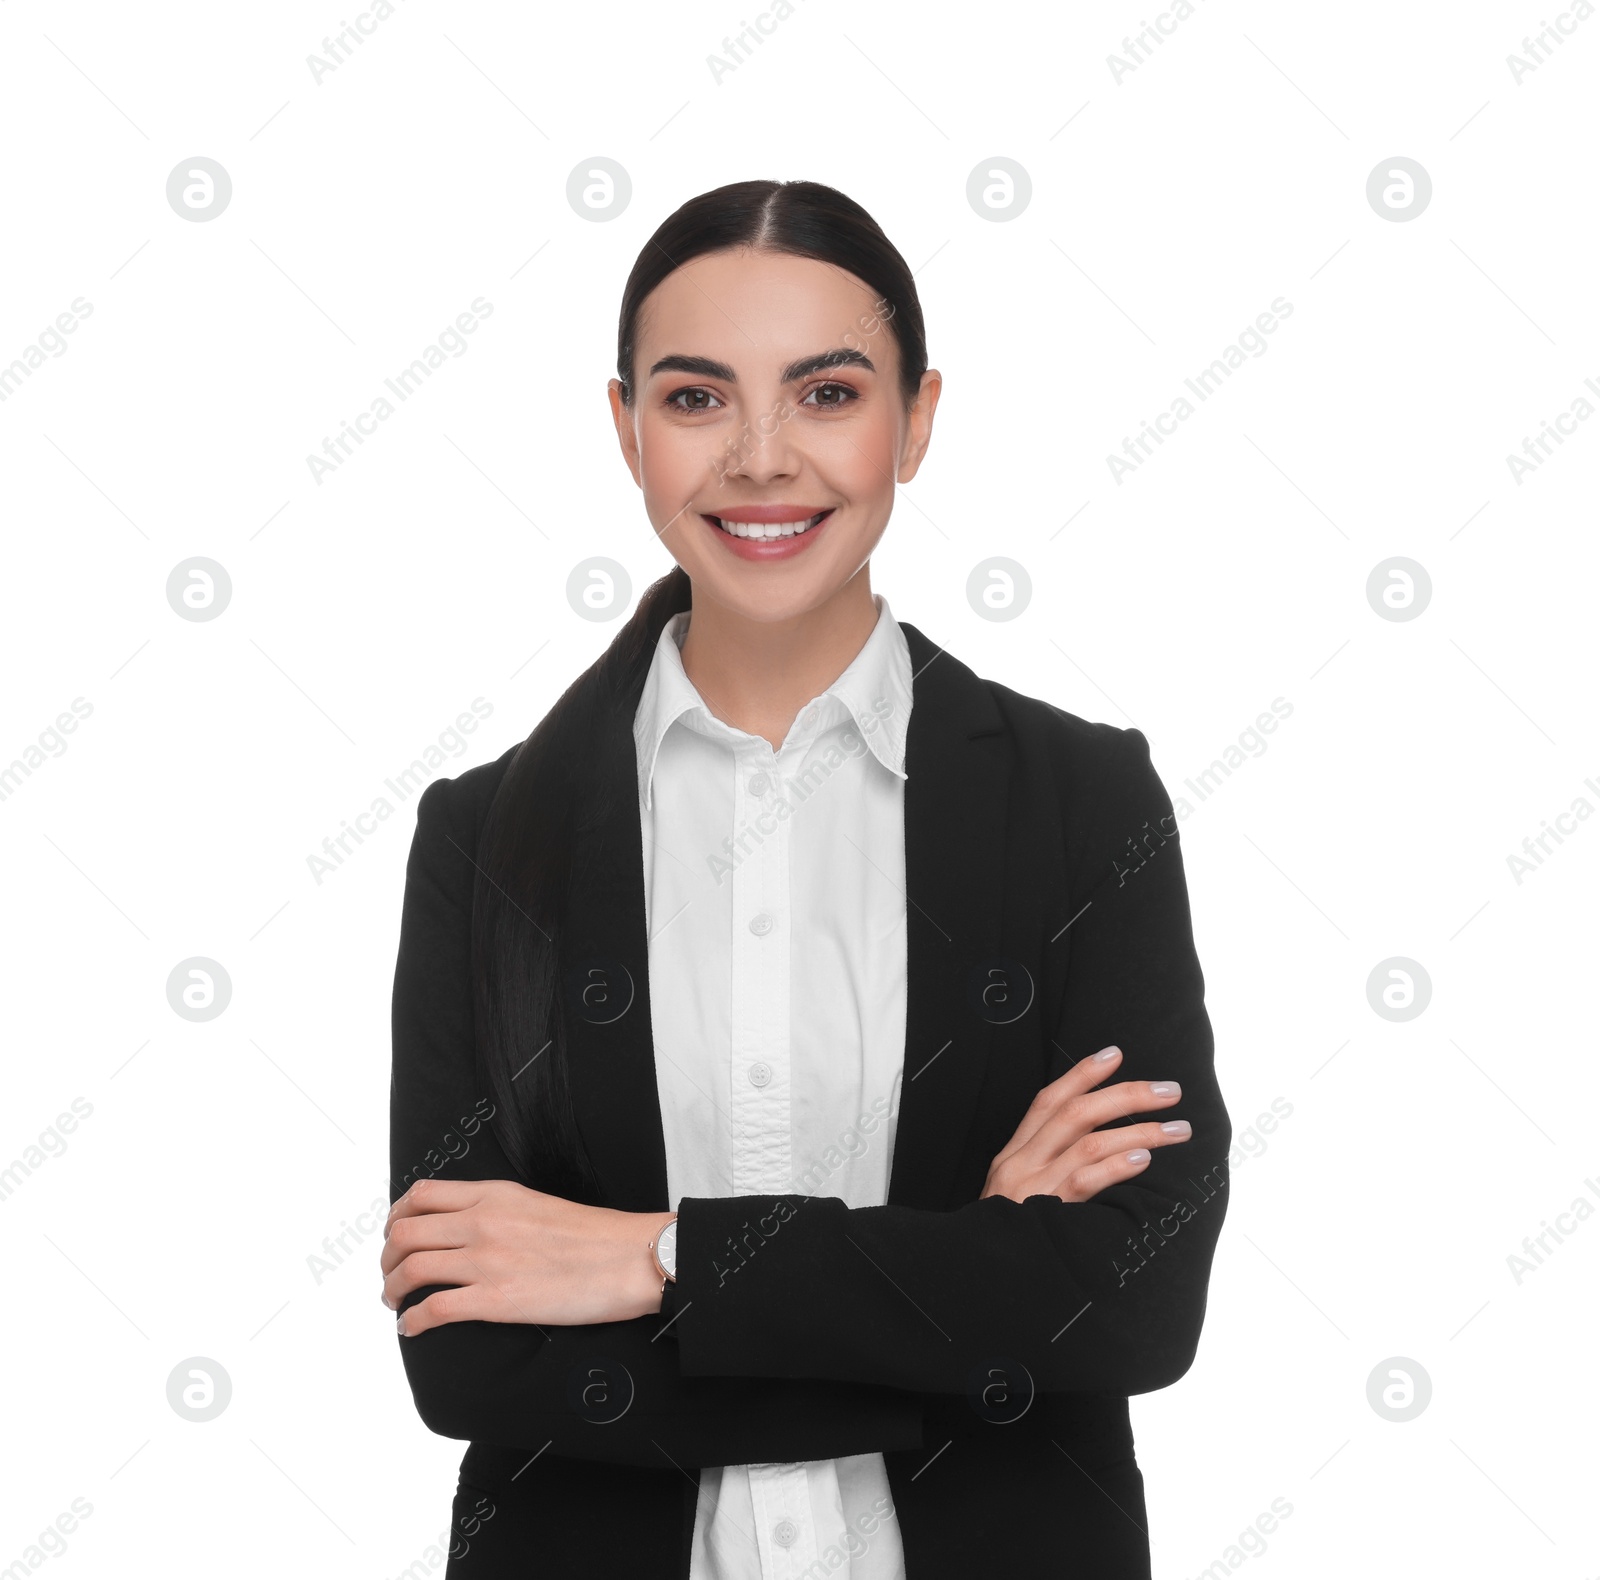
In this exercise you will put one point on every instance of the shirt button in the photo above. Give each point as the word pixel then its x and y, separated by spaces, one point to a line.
pixel 760 1074
pixel 761 924
pixel 757 785
pixel 785 1532
pixel 808 714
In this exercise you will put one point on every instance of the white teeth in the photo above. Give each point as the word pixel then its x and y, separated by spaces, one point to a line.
pixel 769 529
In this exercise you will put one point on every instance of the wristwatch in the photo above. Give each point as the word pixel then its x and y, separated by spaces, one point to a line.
pixel 664 1251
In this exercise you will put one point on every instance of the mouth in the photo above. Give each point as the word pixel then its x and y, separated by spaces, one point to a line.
pixel 762 534
pixel 765 529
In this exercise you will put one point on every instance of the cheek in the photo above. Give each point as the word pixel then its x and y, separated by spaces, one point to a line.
pixel 861 458
pixel 674 464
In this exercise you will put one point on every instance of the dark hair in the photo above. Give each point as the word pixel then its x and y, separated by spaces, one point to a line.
pixel 525 852
pixel 803 218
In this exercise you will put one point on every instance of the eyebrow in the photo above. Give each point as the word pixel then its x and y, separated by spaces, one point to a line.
pixel 710 368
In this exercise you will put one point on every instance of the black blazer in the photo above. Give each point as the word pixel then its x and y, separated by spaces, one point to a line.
pixel 986 1348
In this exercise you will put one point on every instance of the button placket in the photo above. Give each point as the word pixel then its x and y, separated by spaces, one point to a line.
pixel 759 1078
pixel 780 1498
pixel 711 1017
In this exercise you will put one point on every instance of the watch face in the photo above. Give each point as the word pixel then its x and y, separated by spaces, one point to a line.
pixel 667 1248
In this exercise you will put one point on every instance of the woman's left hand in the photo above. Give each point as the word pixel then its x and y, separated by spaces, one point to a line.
pixel 517 1255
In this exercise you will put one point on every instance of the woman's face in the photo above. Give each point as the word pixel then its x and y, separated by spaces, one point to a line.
pixel 767 397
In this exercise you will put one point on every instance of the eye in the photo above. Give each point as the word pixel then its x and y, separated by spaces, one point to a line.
pixel 838 395
pixel 691 398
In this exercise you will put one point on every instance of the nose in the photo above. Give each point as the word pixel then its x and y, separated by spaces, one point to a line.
pixel 765 449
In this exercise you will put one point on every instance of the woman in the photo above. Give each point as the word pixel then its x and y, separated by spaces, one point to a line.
pixel 769 1208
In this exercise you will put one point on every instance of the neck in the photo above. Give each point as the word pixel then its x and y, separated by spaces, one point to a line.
pixel 757 674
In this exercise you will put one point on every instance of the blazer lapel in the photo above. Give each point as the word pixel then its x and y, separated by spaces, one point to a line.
pixel 956 795
pixel 605 992
pixel 957 780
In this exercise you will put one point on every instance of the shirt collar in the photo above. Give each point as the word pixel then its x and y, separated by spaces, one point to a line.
pixel 875 687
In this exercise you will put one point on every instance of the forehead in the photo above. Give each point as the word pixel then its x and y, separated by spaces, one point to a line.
pixel 751 308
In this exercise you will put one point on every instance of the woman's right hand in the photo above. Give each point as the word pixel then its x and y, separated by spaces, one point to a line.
pixel 1057 1151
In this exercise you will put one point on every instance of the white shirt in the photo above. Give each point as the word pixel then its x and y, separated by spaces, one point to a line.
pixel 775 904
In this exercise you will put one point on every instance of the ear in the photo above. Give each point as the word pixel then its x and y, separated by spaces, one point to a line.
pixel 627 436
pixel 919 426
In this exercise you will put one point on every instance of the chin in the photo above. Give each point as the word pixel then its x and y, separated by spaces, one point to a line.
pixel 771 603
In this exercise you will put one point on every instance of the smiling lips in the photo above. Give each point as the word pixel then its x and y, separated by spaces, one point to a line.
pixel 766 523
pixel 769 532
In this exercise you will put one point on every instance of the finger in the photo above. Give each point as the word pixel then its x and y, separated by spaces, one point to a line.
pixel 465 1304
pixel 1083 1183
pixel 1110 1156
pixel 433 1195
pixel 1155 1133
pixel 1060 1176
pixel 1099 1144
pixel 431 1231
pixel 1090 1111
pixel 477 1295
pixel 1127 1097
pixel 443 1266
pixel 1086 1073
pixel 1057 1175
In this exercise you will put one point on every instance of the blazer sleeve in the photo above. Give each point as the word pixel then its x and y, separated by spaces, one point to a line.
pixel 612 1392
pixel 1106 1295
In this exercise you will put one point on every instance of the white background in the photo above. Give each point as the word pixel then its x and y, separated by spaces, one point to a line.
pixel 370 609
